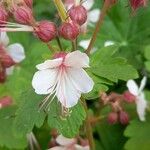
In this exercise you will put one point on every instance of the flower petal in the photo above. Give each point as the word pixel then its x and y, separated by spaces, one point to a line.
pixel 88 4
pixel 16 51
pixel 84 43
pixel 77 59
pixel 4 39
pixel 132 87
pixel 141 106
pixel 143 83
pixel 81 80
pixel 43 81
pixel 50 64
pixel 93 15
pixel 108 43
pixel 9 71
pixel 58 148
pixel 61 140
pixel 66 92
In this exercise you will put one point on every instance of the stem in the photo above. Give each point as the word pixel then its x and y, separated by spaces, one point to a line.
pixel 61 10
pixel 59 43
pixel 88 127
pixel 74 46
pixel 50 47
pixel 98 25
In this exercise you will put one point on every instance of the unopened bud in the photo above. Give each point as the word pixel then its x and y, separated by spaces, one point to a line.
pixel 46 31
pixel 69 30
pixel 23 15
pixel 3 15
pixel 112 117
pixel 7 61
pixel 5 101
pixel 135 4
pixel 78 14
pixel 123 117
pixel 29 3
pixel 2 74
pixel 128 97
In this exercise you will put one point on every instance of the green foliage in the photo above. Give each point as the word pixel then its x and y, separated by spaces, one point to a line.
pixel 28 115
pixel 68 126
pixel 147 56
pixel 138 133
pixel 7 137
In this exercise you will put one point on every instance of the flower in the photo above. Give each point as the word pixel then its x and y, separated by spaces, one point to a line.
pixel 64 77
pixel 9 54
pixel 68 144
pixel 141 102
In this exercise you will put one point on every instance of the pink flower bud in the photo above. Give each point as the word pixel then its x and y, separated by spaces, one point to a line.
pixel 2 74
pixel 135 4
pixel 23 15
pixel 112 117
pixel 5 101
pixel 45 31
pixel 69 30
pixel 29 3
pixel 3 15
pixel 7 61
pixel 128 97
pixel 124 117
pixel 78 14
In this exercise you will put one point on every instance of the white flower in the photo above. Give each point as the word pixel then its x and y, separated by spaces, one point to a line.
pixel 15 51
pixel 68 144
pixel 140 97
pixel 64 77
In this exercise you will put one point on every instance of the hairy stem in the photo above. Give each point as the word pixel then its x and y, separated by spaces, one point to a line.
pixel 59 43
pixel 102 15
pixel 88 127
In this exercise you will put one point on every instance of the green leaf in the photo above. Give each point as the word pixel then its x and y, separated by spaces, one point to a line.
pixel 68 126
pixel 106 65
pixel 111 136
pixel 28 114
pixel 7 138
pixel 138 133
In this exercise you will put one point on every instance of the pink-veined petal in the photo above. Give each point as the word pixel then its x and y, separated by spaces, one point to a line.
pixel 58 148
pixel 50 64
pixel 16 51
pixel 66 92
pixel 61 140
pixel 44 80
pixel 88 4
pixel 93 15
pixel 133 87
pixel 81 80
pixel 141 106
pixel 77 59
pixel 142 85
pixel 79 147
pixel 4 39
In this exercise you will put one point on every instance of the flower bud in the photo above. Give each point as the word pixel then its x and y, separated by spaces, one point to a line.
pixel 45 31
pixel 23 15
pixel 69 30
pixel 78 14
pixel 123 117
pixel 6 61
pixel 112 118
pixel 2 74
pixel 128 97
pixel 29 3
pixel 3 15
pixel 5 101
pixel 135 4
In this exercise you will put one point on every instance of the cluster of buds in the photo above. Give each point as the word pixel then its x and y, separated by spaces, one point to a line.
pixel 77 16
pixel 116 101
